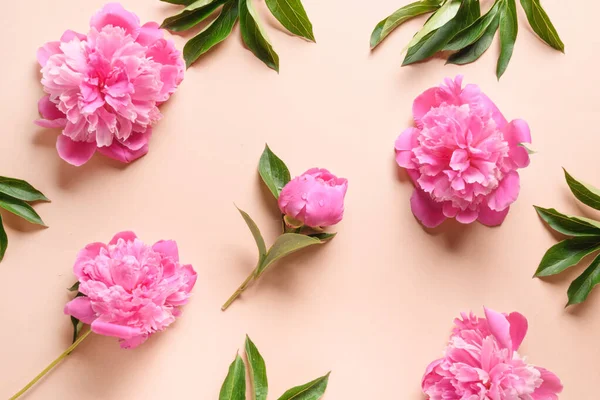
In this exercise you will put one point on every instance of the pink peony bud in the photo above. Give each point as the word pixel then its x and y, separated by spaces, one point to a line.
pixel 131 289
pixel 315 198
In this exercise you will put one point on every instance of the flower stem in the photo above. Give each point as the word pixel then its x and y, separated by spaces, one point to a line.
pixel 52 365
pixel 239 291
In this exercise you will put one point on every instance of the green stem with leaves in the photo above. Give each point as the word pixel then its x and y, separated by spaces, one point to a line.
pixel 240 290
pixel 51 365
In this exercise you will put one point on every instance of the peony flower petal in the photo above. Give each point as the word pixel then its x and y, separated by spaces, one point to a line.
pixel 114 14
pixel 150 33
pixel 425 209
pixel 549 388
pixel 467 216
pixel 81 308
pixel 127 236
pixel 491 218
pixel 88 253
pixel 506 193
pixel 517 131
pixel 75 153
pixel 167 248
pixel 119 152
pixel 47 51
pixel 110 329
pixel 423 103
pixel 48 109
pixel 70 35
pixel 500 327
pixel 518 329
pixel 133 342
pixel 408 139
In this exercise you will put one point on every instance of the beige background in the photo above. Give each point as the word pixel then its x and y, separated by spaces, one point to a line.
pixel 374 306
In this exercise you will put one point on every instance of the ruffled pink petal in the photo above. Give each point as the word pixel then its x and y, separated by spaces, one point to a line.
pixel 423 103
pixel 506 193
pixel 114 14
pixel 407 139
pixel 192 276
pixel 119 152
pixel 127 236
pixel 70 35
pixel 167 248
pixel 46 51
pixel 467 216
pixel 75 153
pixel 549 388
pixel 497 116
pixel 517 131
pixel 109 329
pixel 491 218
pixel 518 329
pixel 88 252
pixel 138 141
pixel 150 32
pixel 426 210
pixel 500 327
pixel 81 308
pixel 133 342
pixel 48 109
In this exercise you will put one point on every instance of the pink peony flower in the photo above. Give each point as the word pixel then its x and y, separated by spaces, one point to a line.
pixel 482 363
pixel 131 290
pixel 462 156
pixel 104 88
pixel 315 198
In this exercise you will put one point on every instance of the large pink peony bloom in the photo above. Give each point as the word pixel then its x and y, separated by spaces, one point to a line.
pixel 104 88
pixel 482 363
pixel 315 198
pixel 462 156
pixel 131 290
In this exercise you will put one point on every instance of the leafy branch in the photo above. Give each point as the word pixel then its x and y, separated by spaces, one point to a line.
pixel 290 13
pixel 457 26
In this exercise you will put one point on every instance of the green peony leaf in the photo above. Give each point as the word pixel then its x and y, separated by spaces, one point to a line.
pixel 77 325
pixel 21 209
pixel 567 225
pixel 509 28
pixel 258 371
pixel 273 171
pixel 474 51
pixel 311 391
pixel 324 236
pixel 541 24
pixel 74 287
pixel 567 253
pixel 254 36
pixel 438 19
pixel 581 287
pixel 234 386
pixel 180 2
pixel 587 194
pixel 286 244
pixel 20 189
pixel 292 16
pixel 191 15
pixel 212 35
pixel 386 26
pixel 258 238
pixel 3 240
pixel 475 31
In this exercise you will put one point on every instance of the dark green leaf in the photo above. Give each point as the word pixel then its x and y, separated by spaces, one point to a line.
pixel 254 36
pixel 273 171
pixel 234 386
pixel 20 208
pixel 567 225
pixel 541 24
pixel 323 236
pixel 476 50
pixel 567 253
pixel 74 288
pixel 435 41
pixel 509 28
pixel 260 242
pixel 180 2
pixel 435 21
pixel 191 15
pixel 77 325
pixel 311 391
pixel 292 16
pixel 20 189
pixel 212 35
pixel 475 31
pixel 581 287
pixel 286 244
pixel 258 371
pixel 587 194
pixel 386 26
pixel 3 240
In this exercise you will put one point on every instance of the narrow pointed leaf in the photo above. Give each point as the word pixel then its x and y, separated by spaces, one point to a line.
pixel 567 253
pixel 20 189
pixel 258 371
pixel 191 15
pixel 438 19
pixel 260 242
pixel 587 194
pixel 581 287
pixel 509 28
pixel 432 43
pixel 324 236
pixel 234 386
pixel 254 36
pixel 474 51
pixel 568 225
pixel 180 2
pixel 212 35
pixel 21 209
pixel 274 173
pixel 541 24
pixel 475 31
pixel 311 391
pixel 386 26
pixel 292 16
pixel 74 288
pixel 3 240
pixel 286 244
pixel 77 325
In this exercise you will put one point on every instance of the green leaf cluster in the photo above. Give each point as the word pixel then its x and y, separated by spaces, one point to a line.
pixel 584 239
pixel 457 26
pixel 290 13
pixel 15 197
pixel 275 175
pixel 234 386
